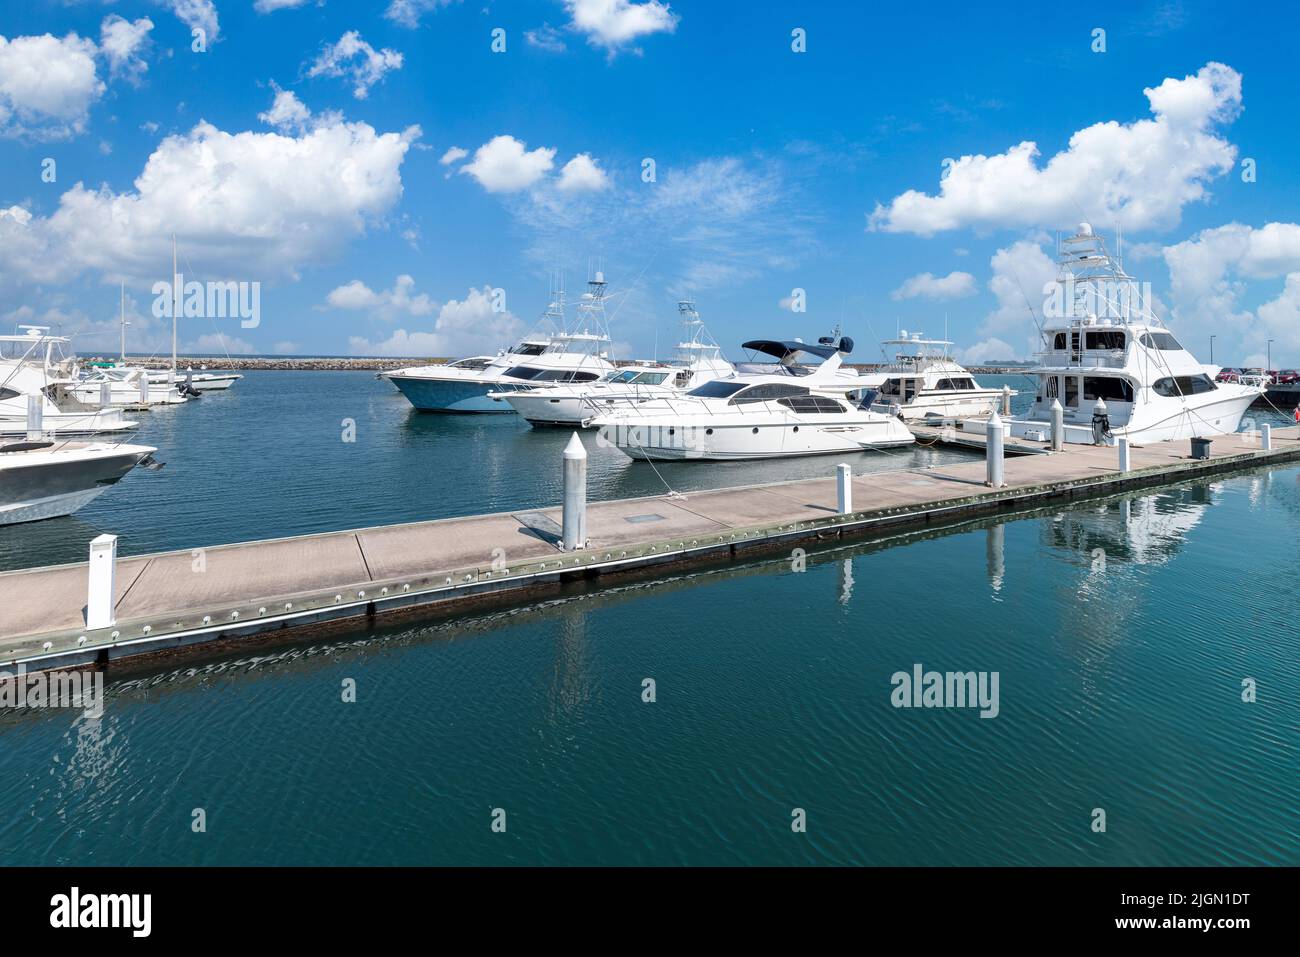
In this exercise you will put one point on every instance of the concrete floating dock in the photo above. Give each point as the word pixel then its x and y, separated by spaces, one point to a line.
pixel 181 599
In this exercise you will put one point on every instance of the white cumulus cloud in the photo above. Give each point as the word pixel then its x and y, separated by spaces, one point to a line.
pixel 407 13
pixel 506 165
pixel 1137 174
pixel 612 24
pixel 354 58
pixel 955 285
pixel 123 42
pixel 201 14
pixel 582 173
pixel 47 86
pixel 465 327
pixel 247 205
pixel 386 304
pixel 1211 274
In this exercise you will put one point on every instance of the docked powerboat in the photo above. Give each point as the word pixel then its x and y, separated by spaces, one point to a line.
pixel 698 359
pixel 562 357
pixel 127 385
pixel 49 479
pixel 925 382
pixel 1115 368
pixel 33 374
pixel 199 381
pixel 764 410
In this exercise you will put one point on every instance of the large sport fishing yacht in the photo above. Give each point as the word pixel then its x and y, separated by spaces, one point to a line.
pixel 1105 344
pixel 924 382
pixel 766 410
pixel 697 359
pixel 33 368
pixel 563 356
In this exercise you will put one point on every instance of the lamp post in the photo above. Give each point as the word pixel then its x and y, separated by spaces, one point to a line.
pixel 1211 350
pixel 1269 356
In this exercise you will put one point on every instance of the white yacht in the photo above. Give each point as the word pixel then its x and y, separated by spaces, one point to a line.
pixel 764 410
pixel 44 479
pixel 698 359
pixel 924 382
pixel 1106 354
pixel 32 369
pixel 565 356
pixel 200 381
pixel 121 385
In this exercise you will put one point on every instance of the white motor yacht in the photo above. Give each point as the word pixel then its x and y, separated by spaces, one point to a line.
pixel 563 357
pixel 46 479
pixel 121 385
pixel 32 372
pixel 697 359
pixel 1108 358
pixel 925 382
pixel 764 410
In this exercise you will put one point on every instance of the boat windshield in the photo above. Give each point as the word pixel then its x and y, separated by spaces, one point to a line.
pixel 621 376
pixel 650 378
pixel 717 389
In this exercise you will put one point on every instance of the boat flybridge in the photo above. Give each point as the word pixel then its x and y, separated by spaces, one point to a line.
pixel 35 372
pixel 925 382
pixel 1107 355
pixel 697 359
pixel 580 354
pixel 763 410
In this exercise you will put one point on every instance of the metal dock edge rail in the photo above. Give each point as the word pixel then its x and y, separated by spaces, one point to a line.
pixel 1084 471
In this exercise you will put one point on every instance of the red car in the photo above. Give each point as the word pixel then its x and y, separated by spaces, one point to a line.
pixel 1287 377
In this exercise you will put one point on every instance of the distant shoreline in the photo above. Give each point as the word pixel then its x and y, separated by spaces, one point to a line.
pixel 377 364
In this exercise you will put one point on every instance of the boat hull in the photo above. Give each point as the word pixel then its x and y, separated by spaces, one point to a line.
pixel 53 488
pixel 1218 415
pixel 443 395
pixel 740 441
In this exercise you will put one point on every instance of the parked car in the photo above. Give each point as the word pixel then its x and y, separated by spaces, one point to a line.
pixel 1228 374
pixel 1287 377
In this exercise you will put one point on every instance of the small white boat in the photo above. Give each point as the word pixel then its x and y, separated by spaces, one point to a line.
pixel 1114 367
pixel 121 385
pixel 44 479
pixel 925 382
pixel 698 359
pixel 769 410
pixel 199 381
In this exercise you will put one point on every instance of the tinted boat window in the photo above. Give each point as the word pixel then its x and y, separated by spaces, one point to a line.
pixel 1183 385
pixel 523 372
pixel 1059 341
pixel 1108 388
pixel 762 393
pixel 717 389
pixel 528 349
pixel 1106 339
pixel 1160 340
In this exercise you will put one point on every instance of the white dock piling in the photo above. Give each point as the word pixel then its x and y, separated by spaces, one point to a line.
pixel 575 495
pixel 100 590
pixel 993 451
pixel 1058 426
pixel 1123 454
pixel 1266 437
pixel 35 417
pixel 1006 400
pixel 144 388
pixel 844 487
pixel 106 394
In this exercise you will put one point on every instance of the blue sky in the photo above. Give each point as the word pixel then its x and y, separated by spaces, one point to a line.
pixel 307 148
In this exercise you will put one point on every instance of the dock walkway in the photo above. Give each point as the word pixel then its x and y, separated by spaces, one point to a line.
pixel 177 599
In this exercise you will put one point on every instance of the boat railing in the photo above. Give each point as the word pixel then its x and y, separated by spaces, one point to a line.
pixel 1099 358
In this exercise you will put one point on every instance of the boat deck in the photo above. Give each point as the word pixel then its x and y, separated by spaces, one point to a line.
pixel 177 599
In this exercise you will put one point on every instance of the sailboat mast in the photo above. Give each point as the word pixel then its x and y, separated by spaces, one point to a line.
pixel 122 318
pixel 176 299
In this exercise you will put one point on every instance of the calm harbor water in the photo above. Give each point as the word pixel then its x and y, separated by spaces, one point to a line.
pixel 1121 631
